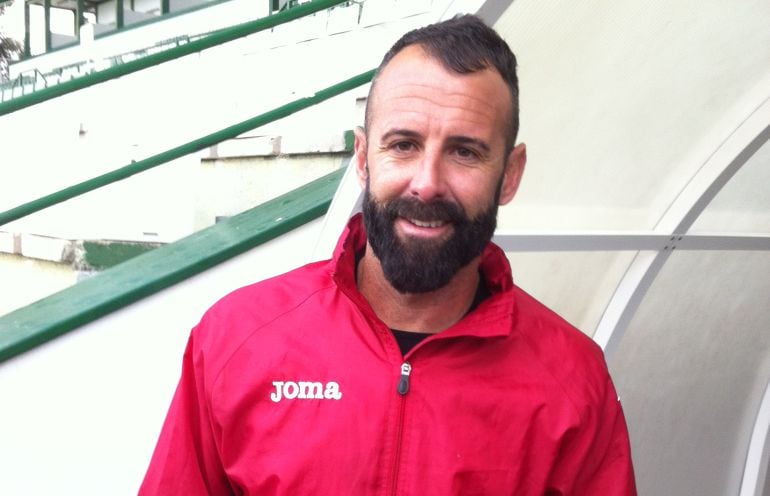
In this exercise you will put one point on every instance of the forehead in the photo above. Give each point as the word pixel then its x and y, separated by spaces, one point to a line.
pixel 416 88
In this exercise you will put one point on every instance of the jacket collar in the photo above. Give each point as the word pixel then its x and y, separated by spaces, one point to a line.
pixel 493 317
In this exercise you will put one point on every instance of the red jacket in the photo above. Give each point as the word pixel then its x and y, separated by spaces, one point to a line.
pixel 293 386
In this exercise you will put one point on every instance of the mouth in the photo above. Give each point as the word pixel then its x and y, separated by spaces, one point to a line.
pixel 411 228
pixel 427 223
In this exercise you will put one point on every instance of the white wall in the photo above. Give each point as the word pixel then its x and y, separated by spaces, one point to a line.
pixel 81 415
pixel 25 280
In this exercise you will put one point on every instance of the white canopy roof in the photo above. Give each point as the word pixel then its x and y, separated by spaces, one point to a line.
pixel 646 125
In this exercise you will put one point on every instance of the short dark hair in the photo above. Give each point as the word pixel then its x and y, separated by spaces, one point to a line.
pixel 463 44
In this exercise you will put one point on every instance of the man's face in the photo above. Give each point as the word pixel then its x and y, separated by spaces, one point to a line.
pixel 434 167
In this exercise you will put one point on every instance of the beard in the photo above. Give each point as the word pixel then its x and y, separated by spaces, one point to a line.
pixel 416 265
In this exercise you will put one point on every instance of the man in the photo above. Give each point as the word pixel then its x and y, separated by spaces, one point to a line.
pixel 410 363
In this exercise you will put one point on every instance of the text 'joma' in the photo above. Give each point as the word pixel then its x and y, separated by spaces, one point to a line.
pixel 305 391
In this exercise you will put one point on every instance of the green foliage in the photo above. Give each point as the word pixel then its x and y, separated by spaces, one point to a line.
pixel 9 47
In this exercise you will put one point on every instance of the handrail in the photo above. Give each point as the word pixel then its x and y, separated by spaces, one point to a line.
pixel 19 81
pixel 215 38
pixel 182 150
pixel 86 66
pixel 115 288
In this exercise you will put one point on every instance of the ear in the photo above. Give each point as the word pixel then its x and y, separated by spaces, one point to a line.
pixel 359 149
pixel 514 168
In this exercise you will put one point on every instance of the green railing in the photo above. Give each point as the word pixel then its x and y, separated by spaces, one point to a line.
pixel 30 326
pixel 182 150
pixel 18 86
pixel 214 39
pixel 147 274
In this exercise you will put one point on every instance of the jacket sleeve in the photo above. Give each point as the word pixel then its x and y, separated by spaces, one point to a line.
pixel 186 460
pixel 597 459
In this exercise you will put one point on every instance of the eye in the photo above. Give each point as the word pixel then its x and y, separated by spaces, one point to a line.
pixel 403 146
pixel 466 154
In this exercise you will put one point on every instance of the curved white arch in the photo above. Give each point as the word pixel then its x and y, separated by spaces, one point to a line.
pixel 726 160
pixel 758 456
pixel 346 201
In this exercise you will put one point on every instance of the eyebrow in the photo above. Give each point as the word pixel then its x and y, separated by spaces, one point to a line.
pixel 407 133
pixel 467 140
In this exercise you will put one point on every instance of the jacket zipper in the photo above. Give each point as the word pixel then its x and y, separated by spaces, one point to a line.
pixel 403 383
pixel 403 388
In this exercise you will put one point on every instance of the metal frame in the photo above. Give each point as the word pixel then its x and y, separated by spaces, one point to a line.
pixel 609 241
pixel 80 9
pixel 27 50
pixel 119 14
pixel 47 24
pixel 758 456
pixel 718 169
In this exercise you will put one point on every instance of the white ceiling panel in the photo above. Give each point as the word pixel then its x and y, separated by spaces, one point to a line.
pixel 623 102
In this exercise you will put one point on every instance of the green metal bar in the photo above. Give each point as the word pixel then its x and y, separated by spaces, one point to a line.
pixel 182 150
pixel 47 17
pixel 212 40
pixel 119 14
pixel 147 274
pixel 27 50
pixel 165 6
pixel 76 20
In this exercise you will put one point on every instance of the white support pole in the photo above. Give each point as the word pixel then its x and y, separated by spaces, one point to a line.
pixel 755 471
pixel 627 297
pixel 623 241
pixel 346 202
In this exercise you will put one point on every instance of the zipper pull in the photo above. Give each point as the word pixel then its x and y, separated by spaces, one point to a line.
pixel 403 384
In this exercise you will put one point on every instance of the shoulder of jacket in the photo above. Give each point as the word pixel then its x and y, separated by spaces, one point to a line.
pixel 232 320
pixel 574 360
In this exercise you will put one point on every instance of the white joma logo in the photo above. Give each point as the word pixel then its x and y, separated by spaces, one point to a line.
pixel 305 391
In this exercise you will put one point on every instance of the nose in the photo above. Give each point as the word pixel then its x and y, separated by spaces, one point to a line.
pixel 428 181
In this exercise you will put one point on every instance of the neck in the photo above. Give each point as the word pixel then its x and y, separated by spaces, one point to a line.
pixel 430 312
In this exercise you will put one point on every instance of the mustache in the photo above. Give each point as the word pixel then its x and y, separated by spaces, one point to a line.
pixel 412 208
